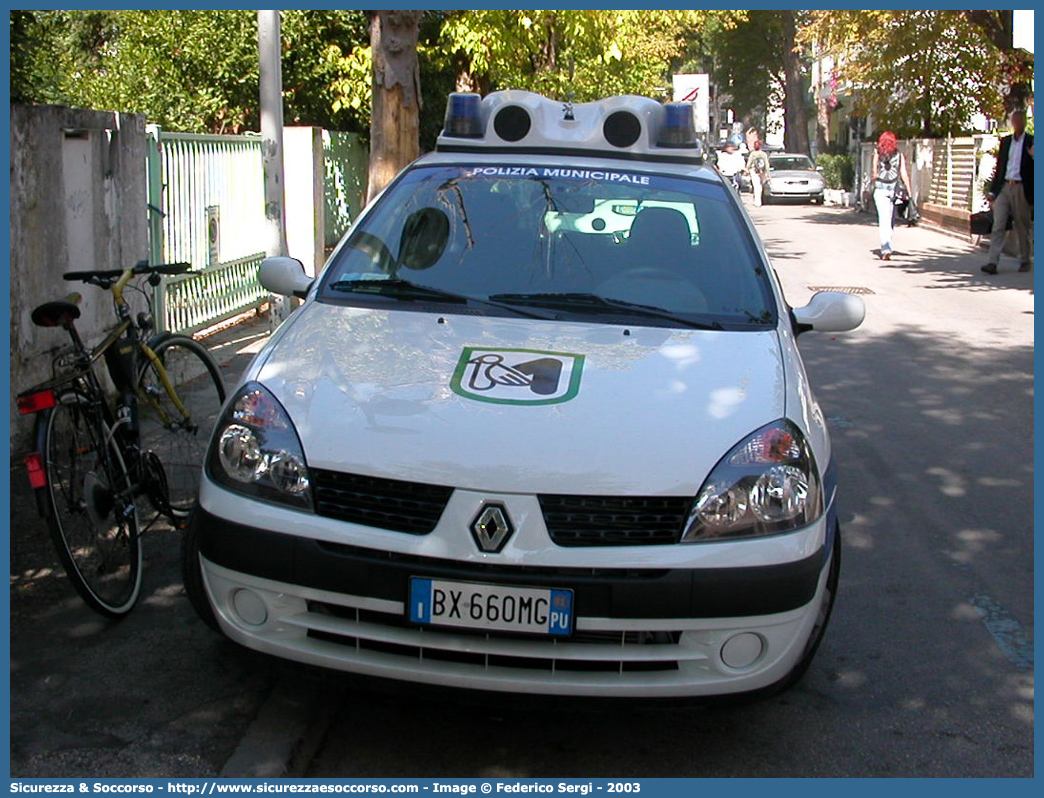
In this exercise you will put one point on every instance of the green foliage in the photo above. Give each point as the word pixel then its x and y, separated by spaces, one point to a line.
pixel 194 71
pixel 919 72
pixel 838 170
pixel 585 54
pixel 197 71
pixel 35 71
pixel 748 61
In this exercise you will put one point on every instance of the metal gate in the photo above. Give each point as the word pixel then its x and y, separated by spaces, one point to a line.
pixel 206 207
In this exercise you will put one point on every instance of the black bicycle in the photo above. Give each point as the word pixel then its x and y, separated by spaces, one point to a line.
pixel 114 446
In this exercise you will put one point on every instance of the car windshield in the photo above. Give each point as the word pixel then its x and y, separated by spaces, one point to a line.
pixel 788 162
pixel 556 243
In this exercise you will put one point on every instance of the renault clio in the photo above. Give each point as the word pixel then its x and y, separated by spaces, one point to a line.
pixel 540 425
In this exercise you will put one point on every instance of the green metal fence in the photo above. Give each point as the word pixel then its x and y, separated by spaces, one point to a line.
pixel 206 206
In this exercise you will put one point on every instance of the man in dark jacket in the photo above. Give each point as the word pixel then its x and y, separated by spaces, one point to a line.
pixel 1011 194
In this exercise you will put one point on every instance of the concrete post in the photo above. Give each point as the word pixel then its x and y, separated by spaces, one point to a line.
pixel 304 190
pixel 271 105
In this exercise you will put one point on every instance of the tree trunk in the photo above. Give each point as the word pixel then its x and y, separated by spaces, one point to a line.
pixel 795 110
pixel 822 124
pixel 395 121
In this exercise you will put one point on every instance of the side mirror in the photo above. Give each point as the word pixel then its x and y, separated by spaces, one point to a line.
pixel 285 276
pixel 830 311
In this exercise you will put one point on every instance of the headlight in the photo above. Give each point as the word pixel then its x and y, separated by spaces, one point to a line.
pixel 765 485
pixel 255 450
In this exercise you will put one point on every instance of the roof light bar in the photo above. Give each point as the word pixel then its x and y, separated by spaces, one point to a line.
pixel 625 126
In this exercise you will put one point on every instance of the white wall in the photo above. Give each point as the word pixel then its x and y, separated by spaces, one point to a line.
pixel 304 173
pixel 77 203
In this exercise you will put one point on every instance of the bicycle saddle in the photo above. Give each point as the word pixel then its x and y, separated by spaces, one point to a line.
pixel 57 313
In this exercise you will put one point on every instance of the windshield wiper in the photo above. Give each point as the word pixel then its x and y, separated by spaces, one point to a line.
pixel 588 301
pixel 403 289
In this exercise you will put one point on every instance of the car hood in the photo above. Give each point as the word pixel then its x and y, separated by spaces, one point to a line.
pixel 512 405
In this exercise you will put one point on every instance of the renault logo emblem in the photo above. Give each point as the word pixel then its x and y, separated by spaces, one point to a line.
pixel 491 528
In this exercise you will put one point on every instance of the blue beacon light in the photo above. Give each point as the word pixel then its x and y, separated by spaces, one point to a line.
pixel 679 126
pixel 463 116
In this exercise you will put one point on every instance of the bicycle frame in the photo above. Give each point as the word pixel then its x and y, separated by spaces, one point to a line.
pixel 124 368
pixel 99 451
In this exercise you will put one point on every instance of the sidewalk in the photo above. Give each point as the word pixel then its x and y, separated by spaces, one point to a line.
pixel 979 244
pixel 155 695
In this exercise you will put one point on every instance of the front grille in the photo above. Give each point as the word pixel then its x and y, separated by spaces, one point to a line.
pixel 386 633
pixel 614 520
pixel 390 504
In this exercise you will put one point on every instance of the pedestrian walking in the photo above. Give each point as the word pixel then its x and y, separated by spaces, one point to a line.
pixel 1011 194
pixel 757 165
pixel 888 168
pixel 730 163
pixel 751 137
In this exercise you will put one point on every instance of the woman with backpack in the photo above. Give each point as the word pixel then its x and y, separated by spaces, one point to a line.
pixel 889 166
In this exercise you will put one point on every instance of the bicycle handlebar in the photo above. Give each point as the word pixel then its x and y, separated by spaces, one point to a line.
pixel 141 267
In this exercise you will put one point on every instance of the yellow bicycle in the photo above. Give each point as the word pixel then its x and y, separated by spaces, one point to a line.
pixel 109 451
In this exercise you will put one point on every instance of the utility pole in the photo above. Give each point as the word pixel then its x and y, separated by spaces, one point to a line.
pixel 269 45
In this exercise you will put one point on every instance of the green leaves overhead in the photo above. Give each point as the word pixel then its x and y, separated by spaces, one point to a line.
pixel 584 53
pixel 193 71
pixel 920 73
pixel 197 70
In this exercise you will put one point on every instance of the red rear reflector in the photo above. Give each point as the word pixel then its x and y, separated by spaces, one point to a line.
pixel 35 464
pixel 35 402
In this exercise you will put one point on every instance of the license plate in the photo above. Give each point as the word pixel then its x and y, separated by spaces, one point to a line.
pixel 470 605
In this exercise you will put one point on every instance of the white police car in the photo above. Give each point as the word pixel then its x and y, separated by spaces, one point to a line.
pixel 540 425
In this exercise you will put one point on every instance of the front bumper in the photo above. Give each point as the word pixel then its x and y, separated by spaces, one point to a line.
pixel 784 190
pixel 663 631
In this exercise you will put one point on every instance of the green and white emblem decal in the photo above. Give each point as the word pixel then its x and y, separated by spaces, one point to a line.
pixel 517 376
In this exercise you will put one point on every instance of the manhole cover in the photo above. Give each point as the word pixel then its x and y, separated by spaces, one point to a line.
pixel 844 289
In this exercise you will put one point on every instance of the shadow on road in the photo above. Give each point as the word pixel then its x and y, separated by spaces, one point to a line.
pixel 156 694
pixel 950 272
pixel 934 448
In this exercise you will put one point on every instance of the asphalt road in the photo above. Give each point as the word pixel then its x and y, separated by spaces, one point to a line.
pixel 156 694
pixel 926 669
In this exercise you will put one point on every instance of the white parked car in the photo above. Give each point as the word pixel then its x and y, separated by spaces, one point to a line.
pixel 540 425
pixel 792 176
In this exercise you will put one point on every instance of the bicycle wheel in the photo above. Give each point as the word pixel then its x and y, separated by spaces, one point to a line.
pixel 90 513
pixel 173 446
